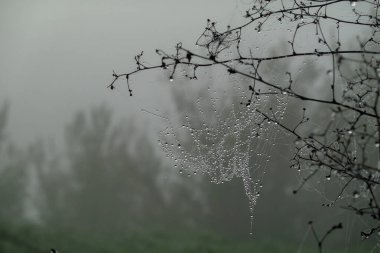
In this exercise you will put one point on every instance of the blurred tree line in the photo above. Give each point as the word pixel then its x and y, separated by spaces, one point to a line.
pixel 110 190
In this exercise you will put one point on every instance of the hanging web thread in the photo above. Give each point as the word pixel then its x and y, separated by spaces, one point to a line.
pixel 223 144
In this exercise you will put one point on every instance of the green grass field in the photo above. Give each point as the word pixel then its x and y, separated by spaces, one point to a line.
pixel 159 240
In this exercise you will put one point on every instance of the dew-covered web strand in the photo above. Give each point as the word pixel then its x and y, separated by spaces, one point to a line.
pixel 269 144
pixel 306 234
pixel 265 147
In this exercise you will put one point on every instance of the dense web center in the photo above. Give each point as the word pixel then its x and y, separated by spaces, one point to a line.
pixel 224 143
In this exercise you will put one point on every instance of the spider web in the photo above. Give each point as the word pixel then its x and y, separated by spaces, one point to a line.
pixel 226 142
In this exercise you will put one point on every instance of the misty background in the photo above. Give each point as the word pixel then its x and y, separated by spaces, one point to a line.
pixel 80 167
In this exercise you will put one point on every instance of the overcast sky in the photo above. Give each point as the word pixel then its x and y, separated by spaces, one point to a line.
pixel 57 56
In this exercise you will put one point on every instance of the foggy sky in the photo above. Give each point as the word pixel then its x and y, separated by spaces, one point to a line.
pixel 57 57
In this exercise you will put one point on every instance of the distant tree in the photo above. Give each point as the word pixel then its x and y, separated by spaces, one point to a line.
pixel 14 183
pixel 108 188
pixel 107 180
pixel 13 174
pixel 345 147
